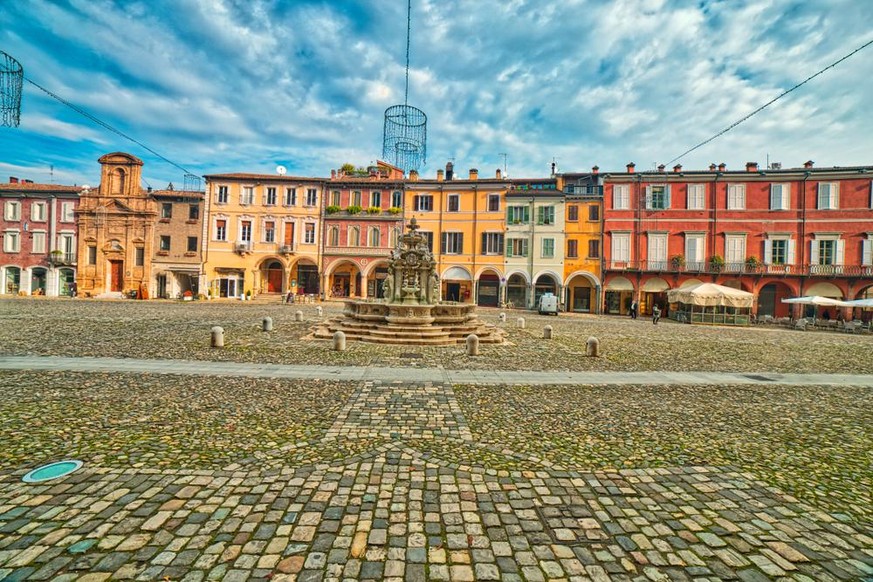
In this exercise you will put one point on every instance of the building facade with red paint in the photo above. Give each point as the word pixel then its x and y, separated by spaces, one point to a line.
pixel 774 232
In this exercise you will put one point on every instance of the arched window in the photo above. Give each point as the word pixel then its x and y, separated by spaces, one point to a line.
pixel 375 236
pixel 117 181
pixel 333 237
pixel 335 198
pixel 354 236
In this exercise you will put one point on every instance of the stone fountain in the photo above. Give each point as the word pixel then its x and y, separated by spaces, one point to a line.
pixel 410 311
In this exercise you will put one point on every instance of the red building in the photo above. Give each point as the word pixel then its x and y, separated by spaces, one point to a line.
pixel 362 220
pixel 773 232
pixel 38 226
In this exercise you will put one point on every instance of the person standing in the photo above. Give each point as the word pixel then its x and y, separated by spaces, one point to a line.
pixel 656 314
pixel 634 308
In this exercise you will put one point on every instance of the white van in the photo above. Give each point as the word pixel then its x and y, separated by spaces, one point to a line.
pixel 548 304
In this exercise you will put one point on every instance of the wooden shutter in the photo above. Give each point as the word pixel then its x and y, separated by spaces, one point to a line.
pixel 443 239
pixel 500 243
pixel 790 258
pixel 775 193
pixel 415 202
pixel 667 196
pixel 484 243
pixel 524 247
pixel 813 252
pixel 835 196
pixel 768 251
pixel 867 252
pixel 526 214
pixel 460 249
pixel 648 197
pixel 841 252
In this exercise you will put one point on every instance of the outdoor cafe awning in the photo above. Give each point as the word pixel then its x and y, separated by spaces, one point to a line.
pixel 711 295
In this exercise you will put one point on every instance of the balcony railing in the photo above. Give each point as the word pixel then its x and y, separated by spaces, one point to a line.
pixel 583 190
pixel 357 250
pixel 705 267
pixel 62 258
pixel 287 249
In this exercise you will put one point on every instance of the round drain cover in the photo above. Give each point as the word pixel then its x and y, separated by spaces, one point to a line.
pixel 51 471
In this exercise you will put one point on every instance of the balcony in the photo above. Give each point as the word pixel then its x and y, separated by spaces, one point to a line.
pixel 705 267
pixel 357 251
pixel 62 258
pixel 591 191
pixel 287 249
pixel 242 247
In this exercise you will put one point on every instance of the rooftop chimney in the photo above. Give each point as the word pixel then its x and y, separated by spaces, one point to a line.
pixel 712 167
pixel 808 164
pixel 474 174
pixel 677 168
pixel 450 171
pixel 440 176
pixel 751 166
pixel 413 175
pixel 661 167
pixel 333 174
pixel 722 167
pixel 31 181
pixel 630 168
pixel 13 180
pixel 498 174
pixel 595 169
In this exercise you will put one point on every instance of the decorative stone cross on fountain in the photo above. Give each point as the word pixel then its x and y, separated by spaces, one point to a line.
pixel 412 277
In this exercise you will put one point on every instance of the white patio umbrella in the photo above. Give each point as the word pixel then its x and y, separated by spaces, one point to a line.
pixel 818 300
pixel 861 302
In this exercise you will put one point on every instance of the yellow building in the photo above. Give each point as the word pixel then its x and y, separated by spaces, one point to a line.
pixel 261 234
pixel 583 245
pixel 464 221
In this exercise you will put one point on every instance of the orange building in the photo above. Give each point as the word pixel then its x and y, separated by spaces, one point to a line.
pixel 583 220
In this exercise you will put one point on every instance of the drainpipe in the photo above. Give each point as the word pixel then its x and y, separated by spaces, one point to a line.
pixel 638 235
pixel 319 248
pixel 475 282
pixel 714 220
pixel 530 261
pixel 801 244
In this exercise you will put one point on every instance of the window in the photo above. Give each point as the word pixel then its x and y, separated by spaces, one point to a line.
pixel 92 255
pixel 270 197
pixel 867 252
pixel 354 237
pixel 192 244
pixel 165 243
pixel 375 236
pixel 222 195
pixel 546 215
pixel 166 210
pixel 736 197
pixel 593 212
pixel 454 203
pixel 516 247
pixel 696 193
pixel 593 249
pixel 621 197
pixel 311 200
pixel 621 247
pixel 657 251
pixel 67 243
pixel 397 199
pixel 395 236
pixel 248 195
pixel 779 251
pixel 356 198
pixel 290 197
pixel 335 198
pixel 270 231
pixel 333 236
pixel 492 243
pixel 424 203
pixel 573 212
pixel 828 196
pixel 572 249
pixel 826 254
pixel 517 214
pixel 220 229
pixel 13 210
pixel 658 197
pixel 779 196
pixel 548 248
pixel 452 243
pixel 193 212
pixel 38 242
pixel 67 212
pixel 429 237
pixel 38 212
pixel 695 251
pixel 139 256
pixel 735 252
pixel 376 199
pixel 288 235
pixel 309 233
pixel 494 203
pixel 245 231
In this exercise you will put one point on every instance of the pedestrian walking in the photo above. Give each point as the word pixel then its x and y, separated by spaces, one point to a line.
pixel 634 309
pixel 656 314
pixel 73 289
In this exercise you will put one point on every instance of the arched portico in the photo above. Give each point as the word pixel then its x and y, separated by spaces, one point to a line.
pixel 457 284
pixel 488 288
pixel 546 282
pixel 517 287
pixel 303 278
pixel 375 274
pixel 654 292
pixel 343 280
pixel 582 291
pixel 271 272
pixel 770 297
pixel 618 295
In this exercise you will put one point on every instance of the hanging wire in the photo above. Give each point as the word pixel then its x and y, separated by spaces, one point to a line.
pixel 103 124
pixel 761 108
pixel 408 31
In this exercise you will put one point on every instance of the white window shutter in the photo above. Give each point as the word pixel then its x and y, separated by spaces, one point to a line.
pixel 786 196
pixel 867 252
pixel 667 196
pixel 835 196
pixel 841 252
pixel 768 251
pixel 648 197
pixel 813 252
pixel 616 197
pixel 774 197
pixel 790 258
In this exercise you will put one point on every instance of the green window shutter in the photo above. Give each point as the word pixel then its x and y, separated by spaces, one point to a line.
pixel 540 215
pixel 526 214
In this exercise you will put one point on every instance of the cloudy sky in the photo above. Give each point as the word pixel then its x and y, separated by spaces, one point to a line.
pixel 246 85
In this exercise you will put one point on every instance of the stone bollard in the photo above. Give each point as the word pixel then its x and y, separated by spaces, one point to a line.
pixel 472 345
pixel 520 322
pixel 217 337
pixel 319 311
pixel 339 341
pixel 502 318
pixel 547 332
pixel 298 316
pixel 593 347
pixel 267 324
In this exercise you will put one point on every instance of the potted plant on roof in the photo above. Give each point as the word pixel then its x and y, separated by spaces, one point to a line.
pixel 752 264
pixel 716 263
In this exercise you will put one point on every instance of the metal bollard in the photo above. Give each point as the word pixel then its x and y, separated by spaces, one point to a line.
pixel 502 317
pixel 547 332
pixel 319 311
pixel 520 322
pixel 592 347
pixel 339 341
pixel 298 316
pixel 472 345
pixel 267 324
pixel 217 337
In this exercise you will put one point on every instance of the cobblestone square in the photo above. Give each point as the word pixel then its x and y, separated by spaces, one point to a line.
pixel 699 453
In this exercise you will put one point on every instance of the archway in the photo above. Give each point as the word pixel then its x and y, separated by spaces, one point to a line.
pixel 65 280
pixel 457 284
pixel 581 291
pixel 516 290
pixel 376 276
pixel 618 295
pixel 770 300
pixel 345 281
pixel 11 281
pixel 303 278
pixel 38 281
pixel 545 283
pixel 824 289
pixel 488 289
pixel 654 292
pixel 690 283
pixel 272 273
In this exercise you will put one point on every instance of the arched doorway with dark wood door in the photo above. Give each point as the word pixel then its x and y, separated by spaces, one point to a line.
pixel 272 274
pixel 488 289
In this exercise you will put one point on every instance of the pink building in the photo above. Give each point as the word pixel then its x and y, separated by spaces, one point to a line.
pixel 38 226
pixel 773 232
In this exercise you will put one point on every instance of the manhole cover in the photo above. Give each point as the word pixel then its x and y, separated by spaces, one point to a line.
pixel 51 471
pixel 758 378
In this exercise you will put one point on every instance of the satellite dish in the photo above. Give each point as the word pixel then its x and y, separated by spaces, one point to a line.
pixel 281 170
